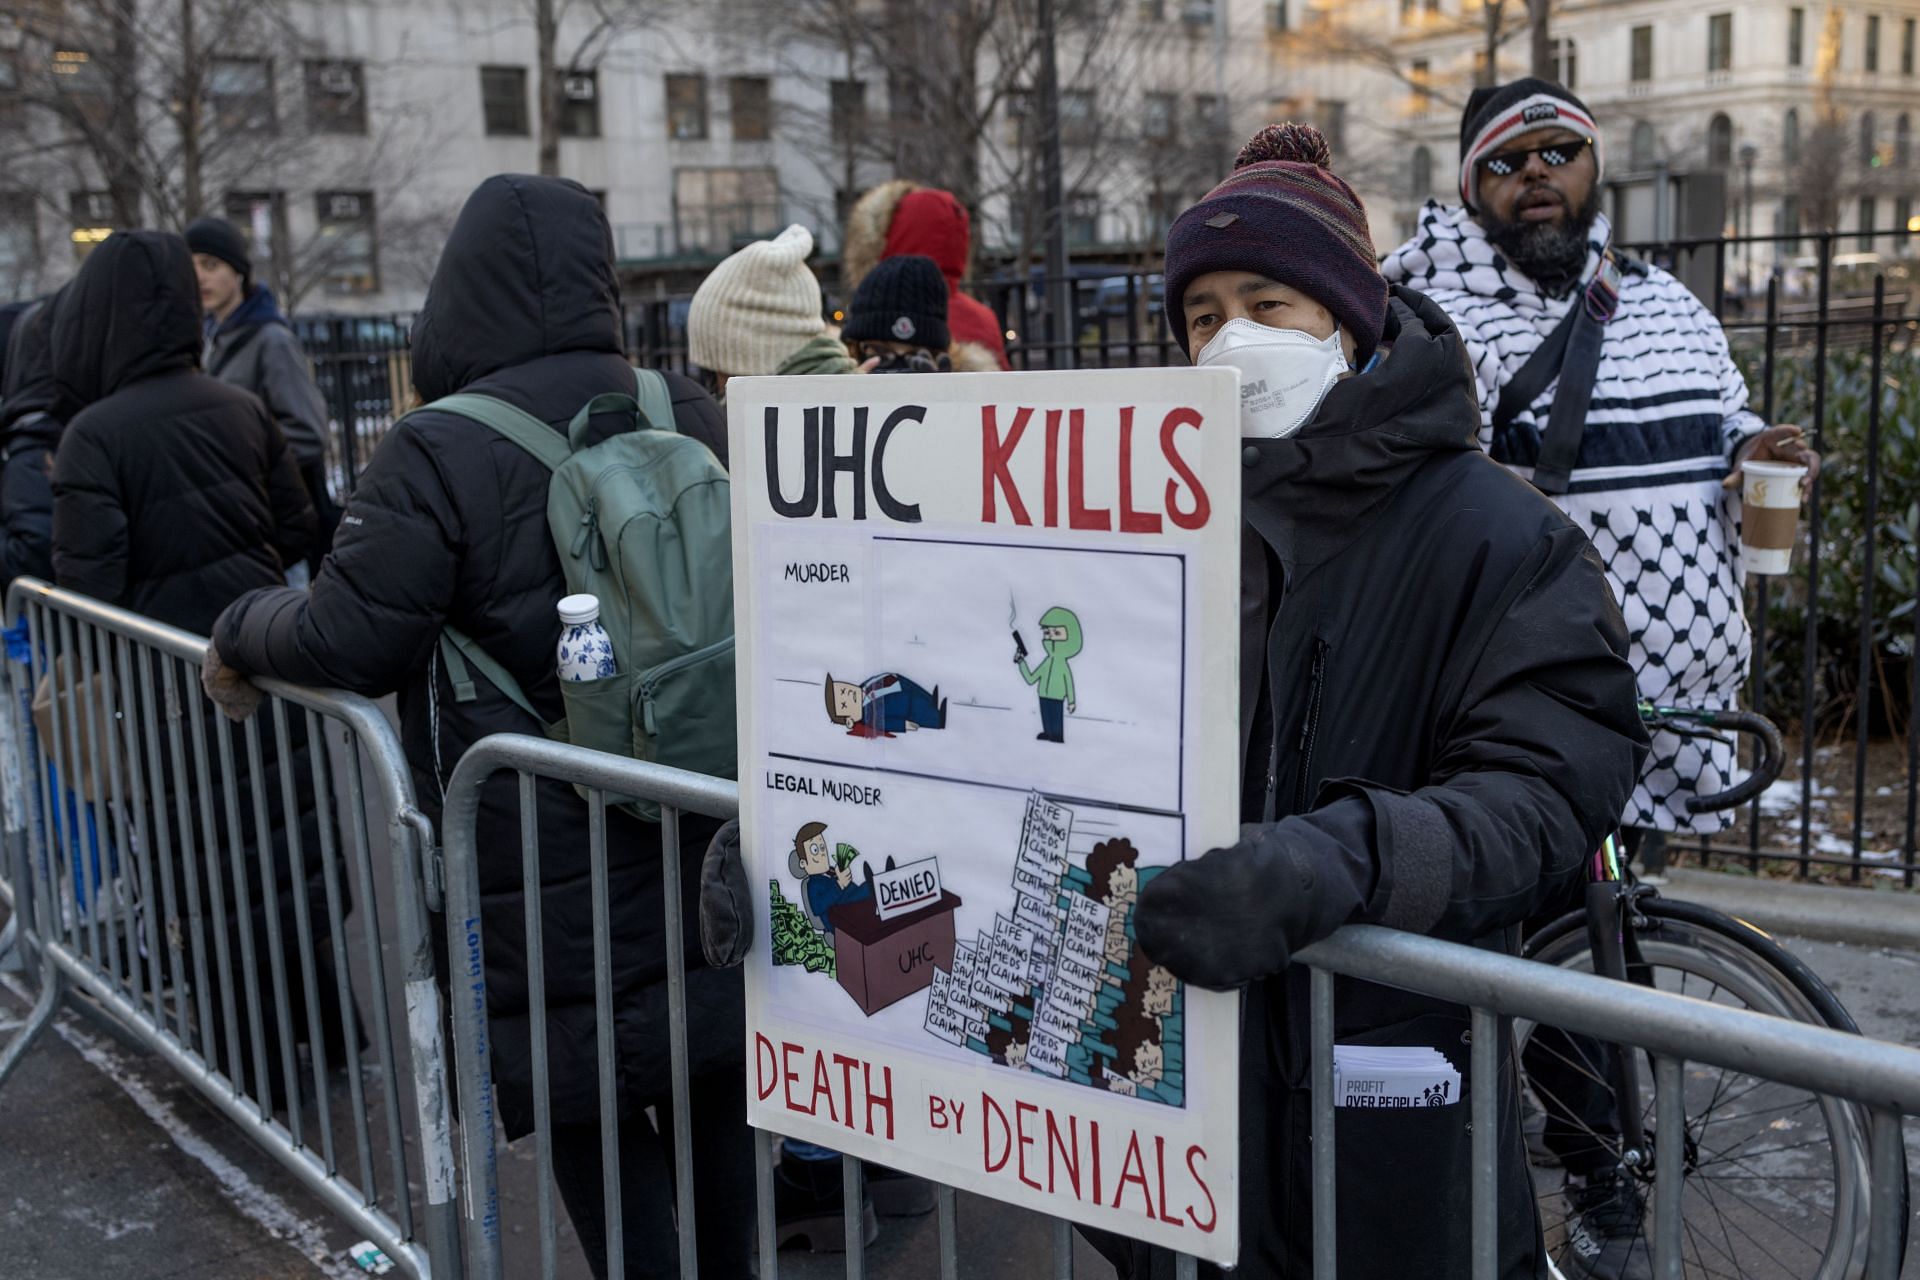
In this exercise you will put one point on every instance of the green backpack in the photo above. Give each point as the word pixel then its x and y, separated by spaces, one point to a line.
pixel 643 520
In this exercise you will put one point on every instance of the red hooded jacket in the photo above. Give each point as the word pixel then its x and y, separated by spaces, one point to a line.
pixel 934 223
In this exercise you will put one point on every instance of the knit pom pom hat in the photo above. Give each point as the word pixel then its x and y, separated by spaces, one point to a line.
pixel 756 308
pixel 1284 214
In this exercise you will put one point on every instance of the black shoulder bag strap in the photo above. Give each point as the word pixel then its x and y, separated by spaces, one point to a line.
pixel 1571 353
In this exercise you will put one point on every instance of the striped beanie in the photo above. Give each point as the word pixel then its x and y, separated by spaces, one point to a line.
pixel 756 308
pixel 1284 215
pixel 1496 116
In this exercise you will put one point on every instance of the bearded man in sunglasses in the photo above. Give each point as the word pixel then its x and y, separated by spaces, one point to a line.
pixel 1608 385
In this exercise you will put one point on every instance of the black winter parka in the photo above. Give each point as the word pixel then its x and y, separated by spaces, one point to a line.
pixel 29 433
pixel 1438 714
pixel 173 493
pixel 448 526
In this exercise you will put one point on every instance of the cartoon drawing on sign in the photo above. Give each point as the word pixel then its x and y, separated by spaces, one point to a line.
pixel 883 706
pixel 1052 680
pixel 1116 884
pixel 826 877
pixel 1057 987
pixel 795 940
pixel 882 936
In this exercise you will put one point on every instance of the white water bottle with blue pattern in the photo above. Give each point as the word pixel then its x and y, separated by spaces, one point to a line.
pixel 585 651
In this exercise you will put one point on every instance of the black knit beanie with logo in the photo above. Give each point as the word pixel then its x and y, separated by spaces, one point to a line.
pixel 902 299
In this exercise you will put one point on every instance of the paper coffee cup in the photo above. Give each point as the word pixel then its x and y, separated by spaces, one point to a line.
pixel 1770 515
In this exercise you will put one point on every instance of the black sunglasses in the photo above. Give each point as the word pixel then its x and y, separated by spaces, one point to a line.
pixel 1553 155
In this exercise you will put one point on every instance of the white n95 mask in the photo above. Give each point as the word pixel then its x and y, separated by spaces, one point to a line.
pixel 1284 373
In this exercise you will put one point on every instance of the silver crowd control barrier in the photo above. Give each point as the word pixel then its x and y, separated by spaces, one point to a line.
pixel 607 780
pixel 1675 1030
pixel 210 888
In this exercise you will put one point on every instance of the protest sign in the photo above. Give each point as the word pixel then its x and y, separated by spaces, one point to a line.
pixel 987 650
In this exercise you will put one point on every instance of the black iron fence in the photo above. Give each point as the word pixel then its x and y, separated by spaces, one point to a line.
pixel 1827 329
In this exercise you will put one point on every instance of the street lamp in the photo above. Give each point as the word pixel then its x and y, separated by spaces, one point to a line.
pixel 1748 154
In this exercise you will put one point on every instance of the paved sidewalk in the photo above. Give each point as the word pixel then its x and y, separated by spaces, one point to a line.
pixel 1878 917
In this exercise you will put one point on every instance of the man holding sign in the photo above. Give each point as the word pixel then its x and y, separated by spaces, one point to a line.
pixel 1436 715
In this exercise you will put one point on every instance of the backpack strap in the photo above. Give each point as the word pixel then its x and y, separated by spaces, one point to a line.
pixel 517 425
pixel 1571 353
pixel 457 650
pixel 656 400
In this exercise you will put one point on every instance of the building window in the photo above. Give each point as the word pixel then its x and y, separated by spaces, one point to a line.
pixel 1278 20
pixel 503 101
pixel 1018 108
pixel 716 210
pixel 1903 141
pixel 686 108
pixel 1719 142
pixel 1790 140
pixel 1642 54
pixel 1868 207
pixel 262 219
pixel 848 107
pixel 1906 47
pixel 1156 121
pixel 240 94
pixel 1421 77
pixel 750 103
pixel 1333 126
pixel 1566 69
pixel 579 104
pixel 1796 37
pixel 92 220
pixel 1078 123
pixel 19 241
pixel 1640 151
pixel 1720 42
pixel 77 71
pixel 1903 221
pixel 336 97
pixel 1207 119
pixel 1083 218
pixel 1153 10
pixel 1869 142
pixel 1872 54
pixel 1422 175
pixel 1789 223
pixel 1197 13
pixel 346 258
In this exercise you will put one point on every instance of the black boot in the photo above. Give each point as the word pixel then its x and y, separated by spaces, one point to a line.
pixel 808 1206
pixel 1605 1235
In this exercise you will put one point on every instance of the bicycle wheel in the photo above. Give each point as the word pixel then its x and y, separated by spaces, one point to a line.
pixel 1777 1178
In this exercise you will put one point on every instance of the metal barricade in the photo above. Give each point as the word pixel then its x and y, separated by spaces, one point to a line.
pixel 1676 1030
pixel 192 880
pixel 606 779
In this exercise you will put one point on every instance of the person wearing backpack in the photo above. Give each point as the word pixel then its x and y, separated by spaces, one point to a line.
pixel 448 531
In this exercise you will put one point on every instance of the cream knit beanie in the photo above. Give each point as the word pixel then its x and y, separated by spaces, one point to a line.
pixel 756 308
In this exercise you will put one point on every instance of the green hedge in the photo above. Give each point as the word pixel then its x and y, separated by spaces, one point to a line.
pixel 1844 538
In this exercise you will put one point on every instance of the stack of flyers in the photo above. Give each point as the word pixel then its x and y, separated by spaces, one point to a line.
pixel 1393 1076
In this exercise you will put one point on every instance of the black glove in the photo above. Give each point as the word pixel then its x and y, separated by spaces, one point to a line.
pixel 726 908
pixel 1239 913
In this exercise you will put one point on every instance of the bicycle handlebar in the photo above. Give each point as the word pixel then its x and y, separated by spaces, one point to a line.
pixel 1772 751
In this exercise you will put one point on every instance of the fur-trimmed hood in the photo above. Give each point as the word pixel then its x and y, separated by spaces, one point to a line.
pixel 904 217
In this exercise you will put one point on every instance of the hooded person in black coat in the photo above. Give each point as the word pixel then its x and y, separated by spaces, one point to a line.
pixel 448 527
pixel 29 433
pixel 1438 719
pixel 173 494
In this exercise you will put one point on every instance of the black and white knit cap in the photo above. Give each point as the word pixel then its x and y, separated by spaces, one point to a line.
pixel 1496 117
